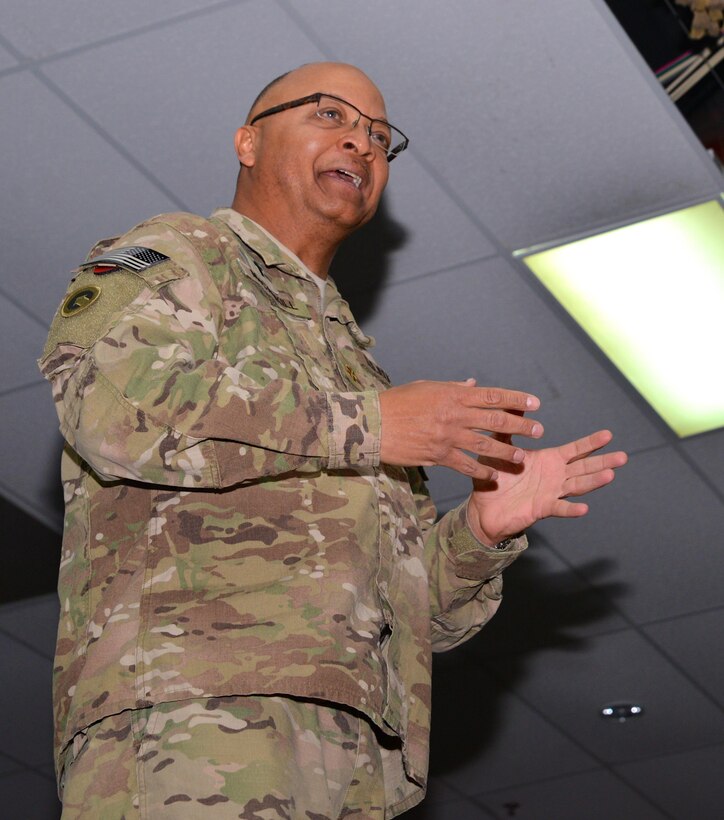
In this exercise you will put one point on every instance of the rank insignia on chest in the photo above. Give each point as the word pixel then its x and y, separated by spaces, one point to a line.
pixel 79 300
pixel 352 374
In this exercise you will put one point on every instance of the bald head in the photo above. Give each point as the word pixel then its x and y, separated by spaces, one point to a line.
pixel 310 78
pixel 311 180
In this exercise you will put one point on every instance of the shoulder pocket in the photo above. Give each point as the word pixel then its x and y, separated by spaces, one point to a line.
pixel 102 288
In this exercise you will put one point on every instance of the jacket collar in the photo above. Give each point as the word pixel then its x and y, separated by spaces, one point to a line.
pixel 283 271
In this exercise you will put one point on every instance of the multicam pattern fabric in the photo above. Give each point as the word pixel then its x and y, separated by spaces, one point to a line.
pixel 255 758
pixel 229 527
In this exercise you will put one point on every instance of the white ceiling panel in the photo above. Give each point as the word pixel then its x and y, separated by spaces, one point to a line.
pixel 708 453
pixel 6 59
pixel 703 658
pixel 30 466
pixel 67 187
pixel 404 239
pixel 689 785
pixel 661 545
pixel 22 338
pixel 511 128
pixel 40 29
pixel 459 809
pixel 25 684
pixel 485 738
pixel 447 487
pixel 33 622
pixel 29 795
pixel 7 765
pixel 184 121
pixel 597 795
pixel 547 605
pixel 571 687
pixel 484 321
pixel 438 791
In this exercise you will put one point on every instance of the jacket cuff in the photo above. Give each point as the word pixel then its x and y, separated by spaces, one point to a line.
pixel 473 559
pixel 353 429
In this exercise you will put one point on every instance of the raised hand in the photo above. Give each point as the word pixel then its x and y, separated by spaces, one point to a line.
pixel 538 487
pixel 426 422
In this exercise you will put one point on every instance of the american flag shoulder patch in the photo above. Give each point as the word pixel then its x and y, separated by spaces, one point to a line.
pixel 135 258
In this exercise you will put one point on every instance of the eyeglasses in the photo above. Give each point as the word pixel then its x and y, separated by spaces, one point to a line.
pixel 334 112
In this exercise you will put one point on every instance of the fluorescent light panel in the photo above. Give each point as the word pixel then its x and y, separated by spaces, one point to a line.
pixel 651 295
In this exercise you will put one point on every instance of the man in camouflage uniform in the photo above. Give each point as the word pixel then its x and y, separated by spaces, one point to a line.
pixel 251 580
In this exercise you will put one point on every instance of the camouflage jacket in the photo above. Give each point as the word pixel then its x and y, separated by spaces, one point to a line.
pixel 229 527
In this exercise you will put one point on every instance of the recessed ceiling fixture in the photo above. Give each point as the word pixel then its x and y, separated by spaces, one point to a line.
pixel 621 712
pixel 651 295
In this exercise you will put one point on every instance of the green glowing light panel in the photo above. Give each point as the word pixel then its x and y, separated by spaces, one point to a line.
pixel 651 295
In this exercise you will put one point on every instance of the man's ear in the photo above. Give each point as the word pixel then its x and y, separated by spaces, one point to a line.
pixel 245 144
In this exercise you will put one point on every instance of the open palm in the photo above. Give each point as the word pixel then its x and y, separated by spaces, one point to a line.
pixel 538 488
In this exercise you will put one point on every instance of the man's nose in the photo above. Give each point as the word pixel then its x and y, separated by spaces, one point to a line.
pixel 357 138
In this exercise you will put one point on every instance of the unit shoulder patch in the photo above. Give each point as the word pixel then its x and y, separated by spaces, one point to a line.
pixel 103 288
pixel 79 299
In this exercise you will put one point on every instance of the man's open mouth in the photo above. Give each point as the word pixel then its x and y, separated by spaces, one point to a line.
pixel 348 176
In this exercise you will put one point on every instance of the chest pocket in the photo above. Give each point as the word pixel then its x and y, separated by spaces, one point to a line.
pixel 271 333
pixel 359 370
pixel 268 335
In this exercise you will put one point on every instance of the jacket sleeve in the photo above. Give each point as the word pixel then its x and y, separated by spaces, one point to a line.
pixel 143 392
pixel 466 582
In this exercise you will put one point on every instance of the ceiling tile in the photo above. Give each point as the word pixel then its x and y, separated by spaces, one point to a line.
pixel 570 687
pixel 484 738
pixel 438 792
pixel 6 59
pixel 448 487
pixel 597 795
pixel 459 809
pixel 68 188
pixel 7 765
pixel 546 605
pixel 405 238
pixel 31 571
pixel 30 467
pixel 29 795
pixel 26 684
pixel 22 338
pixel 688 785
pixel 549 135
pixel 185 119
pixel 666 549
pixel 696 643
pixel 487 321
pixel 707 451
pixel 34 622
pixel 40 29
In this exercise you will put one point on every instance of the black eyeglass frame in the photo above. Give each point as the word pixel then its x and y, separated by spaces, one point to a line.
pixel 316 97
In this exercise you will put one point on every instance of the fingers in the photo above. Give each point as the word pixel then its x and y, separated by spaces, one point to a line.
pixel 506 423
pixel 568 509
pixel 580 485
pixel 463 463
pixel 449 422
pixel 491 447
pixel 506 438
pixel 499 397
pixel 594 464
pixel 583 447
